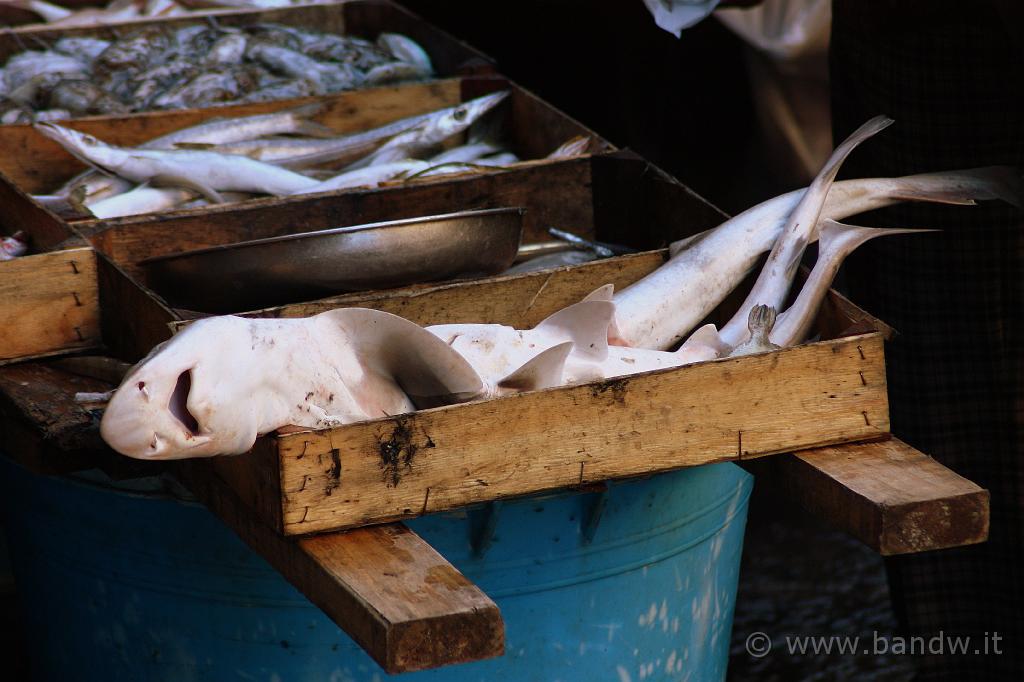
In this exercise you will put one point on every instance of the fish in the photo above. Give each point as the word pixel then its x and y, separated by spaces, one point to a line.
pixel 162 67
pixel 570 149
pixel 204 171
pixel 836 242
pixel 776 276
pixel 440 126
pixel 760 323
pixel 327 77
pixel 14 246
pixel 223 131
pixel 367 177
pixel 142 199
pixel 660 309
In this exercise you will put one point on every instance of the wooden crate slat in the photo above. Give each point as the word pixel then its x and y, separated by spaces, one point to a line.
pixel 373 472
pixel 49 302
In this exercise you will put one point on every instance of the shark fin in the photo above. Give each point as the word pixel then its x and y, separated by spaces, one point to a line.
pixel 543 370
pixel 585 324
pixel 706 336
pixel 602 293
pixel 430 371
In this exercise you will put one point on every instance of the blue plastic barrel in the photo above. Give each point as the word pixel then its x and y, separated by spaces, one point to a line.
pixel 634 584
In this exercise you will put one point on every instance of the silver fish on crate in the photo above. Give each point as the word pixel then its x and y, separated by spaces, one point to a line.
pixel 205 172
pixel 287 141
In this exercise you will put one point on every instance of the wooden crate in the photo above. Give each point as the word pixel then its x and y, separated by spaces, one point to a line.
pixel 52 299
pixel 38 165
pixel 363 18
pixel 382 470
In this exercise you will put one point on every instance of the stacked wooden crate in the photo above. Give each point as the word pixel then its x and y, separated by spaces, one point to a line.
pixel 85 290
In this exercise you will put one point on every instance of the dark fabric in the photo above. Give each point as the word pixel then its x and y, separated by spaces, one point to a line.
pixel 950 74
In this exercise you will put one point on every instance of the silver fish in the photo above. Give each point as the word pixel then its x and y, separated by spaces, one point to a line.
pixel 204 171
pixel 142 199
pixel 439 127
pixel 371 176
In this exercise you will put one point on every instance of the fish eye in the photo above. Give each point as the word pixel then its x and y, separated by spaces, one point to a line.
pixel 459 114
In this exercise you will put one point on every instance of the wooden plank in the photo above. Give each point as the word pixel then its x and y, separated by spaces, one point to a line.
pixel 890 496
pixel 387 588
pixel 49 302
pixel 432 460
pixel 43 427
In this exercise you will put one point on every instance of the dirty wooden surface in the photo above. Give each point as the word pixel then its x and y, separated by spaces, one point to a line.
pixel 890 496
pixel 48 302
pixel 387 588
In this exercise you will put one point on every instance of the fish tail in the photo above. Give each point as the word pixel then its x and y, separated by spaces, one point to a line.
pixel 964 187
pixel 761 320
pixel 304 126
pixel 843 238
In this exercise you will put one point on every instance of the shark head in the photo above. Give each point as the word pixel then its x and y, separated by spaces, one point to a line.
pixel 184 399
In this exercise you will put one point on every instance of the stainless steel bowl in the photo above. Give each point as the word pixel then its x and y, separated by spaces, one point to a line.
pixel 300 267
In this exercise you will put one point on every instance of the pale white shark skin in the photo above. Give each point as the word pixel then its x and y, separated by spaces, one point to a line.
pixel 776 276
pixel 837 241
pixel 660 309
pixel 213 388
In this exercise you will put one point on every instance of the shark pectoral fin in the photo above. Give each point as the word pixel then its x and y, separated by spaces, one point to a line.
pixel 602 293
pixel 165 180
pixel 706 336
pixel 543 370
pixel 430 371
pixel 586 324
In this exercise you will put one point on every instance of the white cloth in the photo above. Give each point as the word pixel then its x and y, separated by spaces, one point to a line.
pixel 675 15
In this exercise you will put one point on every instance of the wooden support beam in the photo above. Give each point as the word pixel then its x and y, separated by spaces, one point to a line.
pixel 386 587
pixel 891 497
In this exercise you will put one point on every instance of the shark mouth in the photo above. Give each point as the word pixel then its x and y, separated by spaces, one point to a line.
pixel 178 404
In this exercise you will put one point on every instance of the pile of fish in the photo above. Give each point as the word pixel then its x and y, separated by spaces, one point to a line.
pixel 57 16
pixel 213 388
pixel 272 154
pixel 201 65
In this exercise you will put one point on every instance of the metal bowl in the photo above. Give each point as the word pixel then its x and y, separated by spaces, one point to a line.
pixel 301 267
